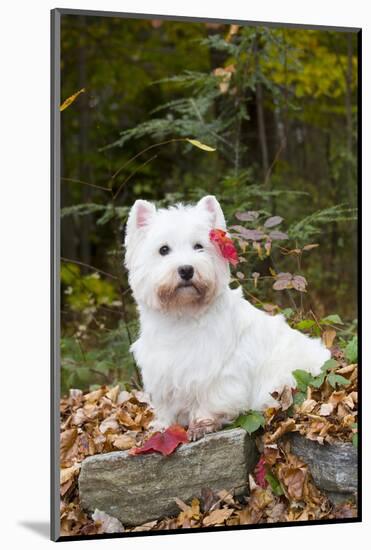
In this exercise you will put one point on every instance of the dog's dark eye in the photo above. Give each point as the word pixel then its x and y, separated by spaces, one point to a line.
pixel 164 250
pixel 198 246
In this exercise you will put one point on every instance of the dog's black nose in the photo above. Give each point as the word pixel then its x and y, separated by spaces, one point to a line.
pixel 186 272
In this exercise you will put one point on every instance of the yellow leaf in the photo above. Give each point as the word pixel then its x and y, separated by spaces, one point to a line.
pixel 200 145
pixel 71 99
pixel 233 29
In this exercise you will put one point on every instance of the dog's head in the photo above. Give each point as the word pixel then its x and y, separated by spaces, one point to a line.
pixel 173 266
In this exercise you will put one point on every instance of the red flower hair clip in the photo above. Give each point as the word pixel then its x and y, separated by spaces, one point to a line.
pixel 225 245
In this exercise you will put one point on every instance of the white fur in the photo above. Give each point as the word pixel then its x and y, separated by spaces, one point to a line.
pixel 213 359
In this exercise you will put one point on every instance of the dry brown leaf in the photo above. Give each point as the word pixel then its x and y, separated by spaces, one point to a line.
pixel 123 442
pixel 346 370
pixel 269 415
pixel 142 396
pixel 125 419
pixel 91 411
pixel 348 402
pixel 68 445
pixel 336 397
pixel 294 479
pixel 94 396
pixel 65 487
pixel 307 406
pixel 225 74
pixel 217 517
pixel 285 398
pixel 106 523
pixel 326 409
pixel 348 420
pixel 113 394
pixel 145 526
pixel 123 396
pixel 271 454
pixel 287 426
pixel 315 437
pixel 75 397
pixel 345 510
pixel 69 473
pixel 182 505
pixel 354 396
pixel 248 516
pixel 342 410
pixel 79 417
pixel 209 498
pixel 328 337
pixel 109 423
pixel 226 496
pixel 188 512
pixel 260 498
pixel 277 512
pixel 99 441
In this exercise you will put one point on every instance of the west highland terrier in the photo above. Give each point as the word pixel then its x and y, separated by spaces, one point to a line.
pixel 206 354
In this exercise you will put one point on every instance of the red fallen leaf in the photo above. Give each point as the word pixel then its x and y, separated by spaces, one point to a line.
pixel 163 442
pixel 225 245
pixel 260 473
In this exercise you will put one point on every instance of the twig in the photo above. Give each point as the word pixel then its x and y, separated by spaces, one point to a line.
pixel 276 157
pixel 81 349
pixel 153 146
pixel 91 267
pixel 212 132
pixel 72 180
pixel 110 310
pixel 105 377
pixel 132 174
pixel 227 493
pixel 315 319
pixel 253 297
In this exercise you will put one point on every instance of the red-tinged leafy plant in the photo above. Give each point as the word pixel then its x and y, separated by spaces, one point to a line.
pixel 225 245
pixel 260 472
pixel 163 442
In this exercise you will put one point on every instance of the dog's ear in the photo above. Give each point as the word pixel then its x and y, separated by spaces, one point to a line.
pixel 212 206
pixel 139 218
pixel 140 214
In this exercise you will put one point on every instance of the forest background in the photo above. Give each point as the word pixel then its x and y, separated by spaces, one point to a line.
pixel 279 106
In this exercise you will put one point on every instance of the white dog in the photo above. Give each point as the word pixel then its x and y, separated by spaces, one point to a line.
pixel 206 354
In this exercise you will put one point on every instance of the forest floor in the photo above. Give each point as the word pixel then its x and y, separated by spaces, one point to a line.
pixel 281 488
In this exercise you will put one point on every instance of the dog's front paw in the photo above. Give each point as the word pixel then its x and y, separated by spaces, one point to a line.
pixel 158 425
pixel 198 428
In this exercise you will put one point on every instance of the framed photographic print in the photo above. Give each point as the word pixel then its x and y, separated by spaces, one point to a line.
pixel 205 243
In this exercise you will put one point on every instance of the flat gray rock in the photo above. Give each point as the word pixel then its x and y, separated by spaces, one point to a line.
pixel 138 489
pixel 333 467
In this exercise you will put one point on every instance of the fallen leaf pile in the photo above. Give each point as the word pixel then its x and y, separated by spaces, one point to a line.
pixel 281 488
pixel 324 414
pixel 101 421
